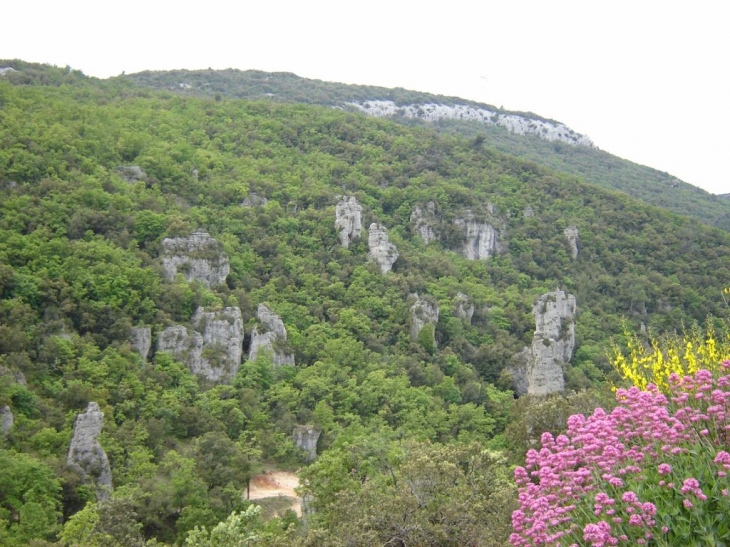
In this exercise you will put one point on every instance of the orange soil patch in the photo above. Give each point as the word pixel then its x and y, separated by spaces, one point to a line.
pixel 276 484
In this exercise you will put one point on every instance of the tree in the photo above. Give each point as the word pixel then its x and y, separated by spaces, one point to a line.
pixel 242 529
pixel 30 499
pixel 425 494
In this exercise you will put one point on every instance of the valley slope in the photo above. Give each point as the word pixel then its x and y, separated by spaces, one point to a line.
pixel 150 241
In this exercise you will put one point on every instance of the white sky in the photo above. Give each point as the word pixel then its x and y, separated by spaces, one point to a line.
pixel 647 80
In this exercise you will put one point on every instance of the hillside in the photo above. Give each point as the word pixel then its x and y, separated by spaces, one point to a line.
pixel 526 135
pixel 222 285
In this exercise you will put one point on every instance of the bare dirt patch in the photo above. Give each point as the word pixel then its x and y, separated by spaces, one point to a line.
pixel 276 484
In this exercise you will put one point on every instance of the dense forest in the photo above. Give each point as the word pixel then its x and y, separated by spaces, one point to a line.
pixel 588 162
pixel 417 426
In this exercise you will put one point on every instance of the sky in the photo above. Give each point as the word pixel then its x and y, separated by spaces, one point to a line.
pixel 646 80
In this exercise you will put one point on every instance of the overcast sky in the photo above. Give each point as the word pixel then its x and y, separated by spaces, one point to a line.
pixel 646 80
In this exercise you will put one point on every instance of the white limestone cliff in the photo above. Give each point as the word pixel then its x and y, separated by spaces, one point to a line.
pixel 482 240
pixel 198 257
pixel 381 250
pixel 538 369
pixel 141 340
pixel 348 220
pixel 270 337
pixel 86 455
pixel 515 123
pixel 212 348
pixel 423 222
pixel 571 234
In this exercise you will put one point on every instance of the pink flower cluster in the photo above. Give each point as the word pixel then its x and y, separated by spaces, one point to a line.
pixel 586 486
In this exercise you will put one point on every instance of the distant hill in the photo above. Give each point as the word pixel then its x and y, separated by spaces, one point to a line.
pixel 527 135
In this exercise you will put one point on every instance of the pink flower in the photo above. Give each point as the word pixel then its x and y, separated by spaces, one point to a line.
pixel 664 469
pixel 687 503
pixel 629 497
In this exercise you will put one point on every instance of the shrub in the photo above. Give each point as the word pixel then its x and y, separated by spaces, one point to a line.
pixel 653 364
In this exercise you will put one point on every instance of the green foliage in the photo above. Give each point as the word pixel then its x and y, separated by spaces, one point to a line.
pixel 414 494
pixel 80 266
pixel 30 499
pixel 238 530
pixel 592 164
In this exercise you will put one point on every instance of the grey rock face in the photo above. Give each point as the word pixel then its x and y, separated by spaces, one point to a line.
pixel 515 123
pixel 222 333
pixel 141 340
pixel 528 212
pixel 270 337
pixel 571 234
pixel 212 348
pixel 482 239
pixel 6 420
pixel 423 222
pixel 348 220
pixel 254 200
pixel 538 370
pixel 86 455
pixel 423 313
pixel 381 250
pixel 464 309
pixel 306 437
pixel 198 257
pixel 183 344
pixel 131 173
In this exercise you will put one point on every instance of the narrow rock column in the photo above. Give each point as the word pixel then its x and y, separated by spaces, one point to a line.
pixel 306 437
pixel 86 455
pixel 381 250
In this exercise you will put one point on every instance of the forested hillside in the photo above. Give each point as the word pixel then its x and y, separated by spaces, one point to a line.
pixel 395 342
pixel 590 163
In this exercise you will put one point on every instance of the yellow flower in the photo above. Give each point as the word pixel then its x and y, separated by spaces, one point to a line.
pixel 654 362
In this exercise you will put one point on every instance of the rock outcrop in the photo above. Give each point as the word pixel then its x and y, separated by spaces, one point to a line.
pixel 528 212
pixel 222 333
pixel 348 220
pixel 6 421
pixel 86 455
pixel 212 348
pixel 254 200
pixel 513 122
pixel 15 375
pixel 423 222
pixel 381 250
pixel 571 234
pixel 270 337
pixel 6 70
pixel 464 309
pixel 306 437
pixel 131 173
pixel 141 340
pixel 198 257
pixel 481 238
pixel 423 313
pixel 538 370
